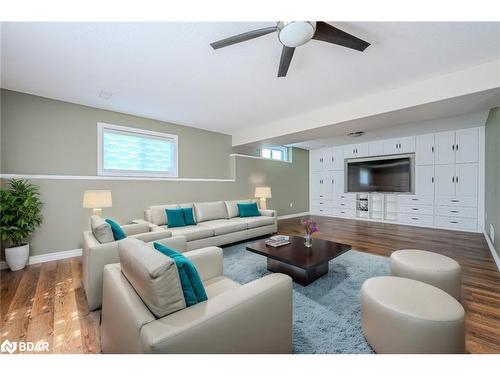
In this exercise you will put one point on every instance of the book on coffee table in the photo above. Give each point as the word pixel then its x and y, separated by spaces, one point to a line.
pixel 277 241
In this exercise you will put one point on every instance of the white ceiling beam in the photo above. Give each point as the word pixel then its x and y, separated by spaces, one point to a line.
pixel 479 78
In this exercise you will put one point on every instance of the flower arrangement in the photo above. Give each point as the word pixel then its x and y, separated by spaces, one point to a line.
pixel 310 226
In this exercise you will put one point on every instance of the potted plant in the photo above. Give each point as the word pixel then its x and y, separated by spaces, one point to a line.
pixel 20 215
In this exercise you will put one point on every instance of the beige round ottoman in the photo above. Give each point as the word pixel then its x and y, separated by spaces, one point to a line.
pixel 401 315
pixel 431 268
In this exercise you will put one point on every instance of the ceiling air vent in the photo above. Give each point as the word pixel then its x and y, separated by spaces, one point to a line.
pixel 355 134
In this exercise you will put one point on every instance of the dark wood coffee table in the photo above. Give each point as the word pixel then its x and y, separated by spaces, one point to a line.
pixel 303 264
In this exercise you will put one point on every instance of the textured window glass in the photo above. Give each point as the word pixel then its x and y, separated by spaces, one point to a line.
pixel 137 153
pixel 266 153
pixel 277 155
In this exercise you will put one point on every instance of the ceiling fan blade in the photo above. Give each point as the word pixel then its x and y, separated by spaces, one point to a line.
pixel 242 37
pixel 327 33
pixel 286 58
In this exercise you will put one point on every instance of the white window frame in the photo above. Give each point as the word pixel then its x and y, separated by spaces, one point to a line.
pixel 102 126
pixel 282 149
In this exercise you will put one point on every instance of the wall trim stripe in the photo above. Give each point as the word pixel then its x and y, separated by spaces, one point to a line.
pixel 58 255
pixel 291 216
pixel 260 158
pixel 494 253
pixel 111 178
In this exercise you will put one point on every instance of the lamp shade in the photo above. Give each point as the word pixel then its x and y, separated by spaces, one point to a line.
pixel 263 192
pixel 97 199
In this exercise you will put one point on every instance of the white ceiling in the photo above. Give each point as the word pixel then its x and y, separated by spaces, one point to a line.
pixel 168 71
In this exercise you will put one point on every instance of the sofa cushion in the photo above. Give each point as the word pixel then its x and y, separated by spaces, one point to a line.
pixel 153 276
pixel 192 287
pixel 219 285
pixel 192 232
pixel 158 216
pixel 232 207
pixel 188 215
pixel 210 211
pixel 224 226
pixel 175 217
pixel 256 221
pixel 118 232
pixel 248 209
pixel 101 229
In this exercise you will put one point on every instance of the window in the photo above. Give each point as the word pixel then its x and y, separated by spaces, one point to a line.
pixel 274 152
pixel 124 151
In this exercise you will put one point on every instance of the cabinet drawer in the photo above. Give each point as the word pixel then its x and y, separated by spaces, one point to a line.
pixel 322 211
pixel 450 200
pixel 321 203
pixel 416 219
pixel 456 223
pixel 416 209
pixel 345 197
pixel 341 212
pixel 345 204
pixel 414 200
pixel 470 212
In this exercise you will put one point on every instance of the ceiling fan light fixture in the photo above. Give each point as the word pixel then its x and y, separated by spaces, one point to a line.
pixel 295 33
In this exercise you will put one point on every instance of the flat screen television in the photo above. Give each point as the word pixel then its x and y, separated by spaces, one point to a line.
pixel 393 174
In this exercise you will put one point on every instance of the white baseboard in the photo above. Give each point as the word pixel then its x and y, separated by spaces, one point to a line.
pixel 49 257
pixel 494 253
pixel 293 215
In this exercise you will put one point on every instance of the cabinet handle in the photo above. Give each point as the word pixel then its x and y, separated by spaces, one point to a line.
pixel 432 149
pixel 432 179
pixel 456 178
pixel 454 200
pixel 333 182
pixel 414 199
pixel 454 211
pixel 453 147
pixel 456 146
pixel 454 222
pixel 414 218
pixel 453 179
pixel 415 209
pixel 333 159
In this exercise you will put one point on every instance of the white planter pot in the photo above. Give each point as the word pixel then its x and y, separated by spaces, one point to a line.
pixel 17 257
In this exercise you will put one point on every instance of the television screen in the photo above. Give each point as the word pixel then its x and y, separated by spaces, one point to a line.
pixel 393 175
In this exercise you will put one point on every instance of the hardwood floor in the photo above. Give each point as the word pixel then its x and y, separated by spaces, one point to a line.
pixel 47 302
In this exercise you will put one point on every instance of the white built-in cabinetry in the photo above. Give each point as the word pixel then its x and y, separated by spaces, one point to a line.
pixel 447 173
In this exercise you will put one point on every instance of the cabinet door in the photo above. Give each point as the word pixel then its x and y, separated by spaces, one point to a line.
pixel 466 179
pixel 406 145
pixel 338 158
pixel 391 146
pixel 338 183
pixel 376 148
pixel 424 153
pixel 315 184
pixel 445 147
pixel 349 151
pixel 328 159
pixel 315 160
pixel 323 159
pixel 445 180
pixel 362 150
pixel 424 180
pixel 467 145
pixel 327 185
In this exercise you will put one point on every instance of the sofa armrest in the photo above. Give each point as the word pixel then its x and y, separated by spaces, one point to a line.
pixel 123 313
pixel 153 236
pixel 255 318
pixel 177 243
pixel 94 257
pixel 271 213
pixel 136 228
pixel 208 261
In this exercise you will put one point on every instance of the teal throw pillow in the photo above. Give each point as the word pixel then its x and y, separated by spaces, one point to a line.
pixel 118 232
pixel 192 287
pixel 248 209
pixel 188 216
pixel 175 217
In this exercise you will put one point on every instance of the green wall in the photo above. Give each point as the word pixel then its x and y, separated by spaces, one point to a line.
pixel 48 137
pixel 492 175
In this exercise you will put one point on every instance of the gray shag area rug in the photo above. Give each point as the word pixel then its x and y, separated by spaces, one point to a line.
pixel 326 313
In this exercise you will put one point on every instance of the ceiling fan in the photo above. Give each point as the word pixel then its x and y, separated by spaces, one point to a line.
pixel 293 34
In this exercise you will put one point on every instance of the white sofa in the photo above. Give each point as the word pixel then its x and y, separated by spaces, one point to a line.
pixel 218 223
pixel 143 308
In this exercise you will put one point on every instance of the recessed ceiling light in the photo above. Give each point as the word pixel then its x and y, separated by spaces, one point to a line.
pixel 105 94
pixel 355 134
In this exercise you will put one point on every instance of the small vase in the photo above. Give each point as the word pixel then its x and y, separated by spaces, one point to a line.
pixel 309 240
